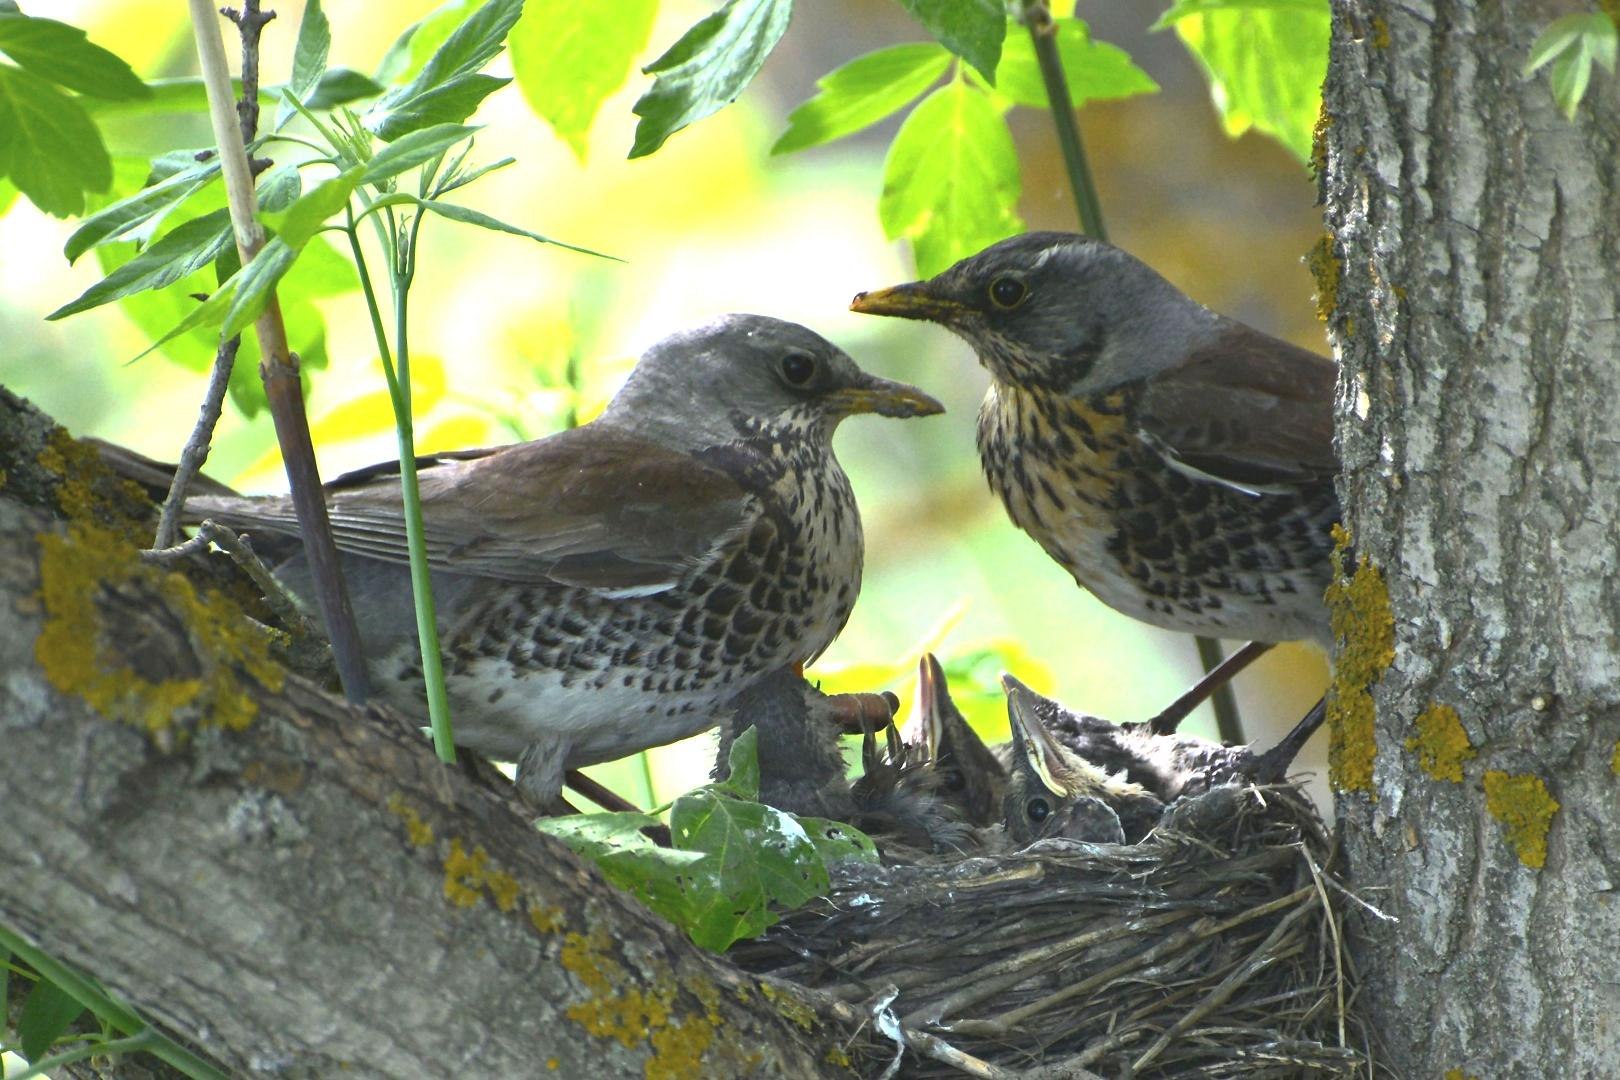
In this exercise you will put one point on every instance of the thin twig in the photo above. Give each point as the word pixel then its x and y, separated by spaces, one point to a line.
pixel 197 446
pixel 1216 676
pixel 279 369
pixel 242 554
pixel 1043 35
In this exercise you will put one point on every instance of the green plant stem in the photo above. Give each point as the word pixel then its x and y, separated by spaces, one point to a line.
pixel 43 1066
pixel 103 1006
pixel 399 394
pixel 1043 35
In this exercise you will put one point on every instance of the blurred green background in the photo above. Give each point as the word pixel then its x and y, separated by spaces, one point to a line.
pixel 712 223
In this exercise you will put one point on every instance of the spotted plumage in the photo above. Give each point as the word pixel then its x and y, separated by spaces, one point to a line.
pixel 1177 463
pixel 610 588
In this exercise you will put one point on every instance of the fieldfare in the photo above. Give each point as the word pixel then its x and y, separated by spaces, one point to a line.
pixel 961 770
pixel 612 587
pixel 1178 463
pixel 1069 771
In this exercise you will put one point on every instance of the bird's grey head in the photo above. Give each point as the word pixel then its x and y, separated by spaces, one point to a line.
pixel 1056 312
pixel 704 386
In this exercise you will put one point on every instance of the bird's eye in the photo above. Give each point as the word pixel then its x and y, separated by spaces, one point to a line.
pixel 797 368
pixel 1008 292
pixel 954 781
pixel 1038 810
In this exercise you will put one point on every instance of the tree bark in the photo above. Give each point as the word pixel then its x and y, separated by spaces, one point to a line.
pixel 1473 282
pixel 293 886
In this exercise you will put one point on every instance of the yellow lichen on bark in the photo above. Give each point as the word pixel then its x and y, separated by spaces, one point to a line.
pixel 1441 743
pixel 614 1009
pixel 1364 627
pixel 88 563
pixel 467 875
pixel 1523 804
pixel 1325 268
pixel 417 831
pixel 1614 759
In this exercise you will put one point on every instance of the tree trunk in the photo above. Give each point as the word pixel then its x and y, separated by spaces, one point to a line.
pixel 295 887
pixel 1473 285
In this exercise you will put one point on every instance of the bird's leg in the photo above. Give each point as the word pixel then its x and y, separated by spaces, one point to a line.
pixel 1173 714
pixel 1273 764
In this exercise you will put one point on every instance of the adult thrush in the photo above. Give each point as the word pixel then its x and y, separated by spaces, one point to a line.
pixel 1178 463
pixel 612 587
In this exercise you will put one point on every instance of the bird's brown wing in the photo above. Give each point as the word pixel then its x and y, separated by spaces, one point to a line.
pixel 587 507
pixel 1248 411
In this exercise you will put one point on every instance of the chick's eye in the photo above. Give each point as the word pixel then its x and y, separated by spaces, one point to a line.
pixel 1007 292
pixel 797 368
pixel 1038 810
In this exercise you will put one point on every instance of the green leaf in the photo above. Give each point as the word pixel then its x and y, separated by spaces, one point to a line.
pixel 1571 44
pixel 413 149
pixel 972 29
pixel 183 250
pixel 309 58
pixel 45 1015
pixel 469 216
pixel 1265 65
pixel 742 766
pixel 759 858
pixel 136 210
pixel 448 104
pixel 254 285
pixel 410 52
pixel 295 225
pixel 444 89
pixel 862 92
pixel 1094 70
pixel 62 54
pixel 836 841
pixel 615 843
pixel 1183 9
pixel 568 59
pixel 48 145
pixel 950 182
pixel 707 68
pixel 204 315
pixel 468 47
pixel 8 195
pixel 341 85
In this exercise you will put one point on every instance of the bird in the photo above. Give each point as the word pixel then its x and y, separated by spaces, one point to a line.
pixel 1177 463
pixel 1069 772
pixel 961 771
pixel 1052 790
pixel 611 587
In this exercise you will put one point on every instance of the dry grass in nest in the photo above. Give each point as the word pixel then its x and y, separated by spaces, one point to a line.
pixel 1214 948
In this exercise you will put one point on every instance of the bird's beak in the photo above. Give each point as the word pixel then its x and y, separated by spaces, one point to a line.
pixel 1031 741
pixel 884 397
pixel 911 301
pixel 930 691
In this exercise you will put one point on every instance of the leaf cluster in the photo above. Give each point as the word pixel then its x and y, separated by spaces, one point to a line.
pixel 735 862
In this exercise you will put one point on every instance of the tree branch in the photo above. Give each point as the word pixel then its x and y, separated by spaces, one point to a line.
pixel 242 858
pixel 279 368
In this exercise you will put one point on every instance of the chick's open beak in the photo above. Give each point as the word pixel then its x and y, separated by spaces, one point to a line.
pixel 910 301
pixel 884 397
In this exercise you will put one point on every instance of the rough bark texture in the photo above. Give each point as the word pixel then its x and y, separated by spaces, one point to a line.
pixel 295 887
pixel 1473 289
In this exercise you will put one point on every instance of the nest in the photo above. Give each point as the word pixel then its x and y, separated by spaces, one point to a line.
pixel 1213 948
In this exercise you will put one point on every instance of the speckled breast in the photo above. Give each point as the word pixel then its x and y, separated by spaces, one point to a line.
pixel 775 595
pixel 1149 541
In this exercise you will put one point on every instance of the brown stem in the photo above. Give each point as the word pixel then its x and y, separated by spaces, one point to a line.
pixel 277 366
pixel 195 453
pixel 1217 677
